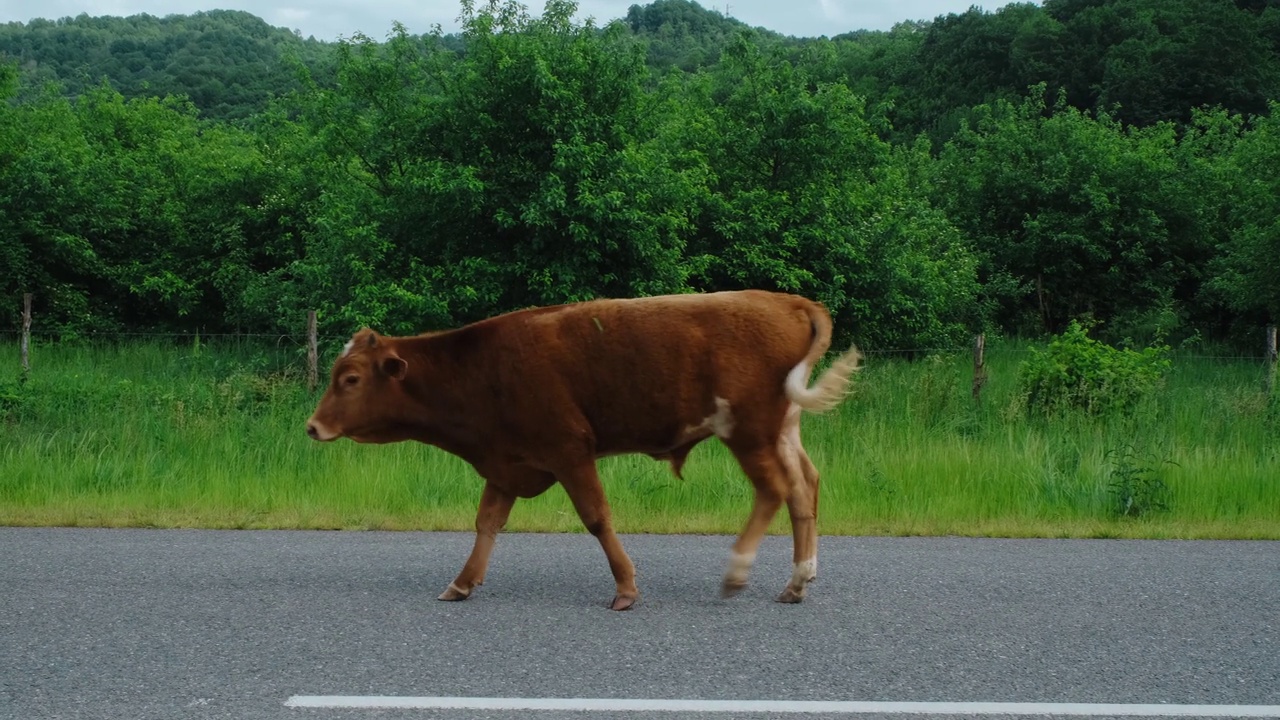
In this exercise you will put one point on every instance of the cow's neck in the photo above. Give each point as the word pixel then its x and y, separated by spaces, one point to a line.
pixel 438 395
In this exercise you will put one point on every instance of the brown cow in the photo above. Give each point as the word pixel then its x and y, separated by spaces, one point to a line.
pixel 534 397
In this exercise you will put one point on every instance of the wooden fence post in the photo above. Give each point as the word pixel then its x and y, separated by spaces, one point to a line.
pixel 313 352
pixel 979 365
pixel 1271 359
pixel 26 335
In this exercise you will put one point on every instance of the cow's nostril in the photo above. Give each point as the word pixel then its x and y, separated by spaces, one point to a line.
pixel 312 432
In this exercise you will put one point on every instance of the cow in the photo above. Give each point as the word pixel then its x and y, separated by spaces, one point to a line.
pixel 534 397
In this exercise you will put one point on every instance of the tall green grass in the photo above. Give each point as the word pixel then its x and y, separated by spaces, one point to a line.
pixel 162 435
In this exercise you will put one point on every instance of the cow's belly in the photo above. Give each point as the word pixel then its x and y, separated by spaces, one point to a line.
pixel 659 450
pixel 659 441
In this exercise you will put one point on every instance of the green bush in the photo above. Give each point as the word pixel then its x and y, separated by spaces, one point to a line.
pixel 1078 372
pixel 1136 486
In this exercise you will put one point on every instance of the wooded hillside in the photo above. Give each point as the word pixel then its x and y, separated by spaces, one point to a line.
pixel 1006 170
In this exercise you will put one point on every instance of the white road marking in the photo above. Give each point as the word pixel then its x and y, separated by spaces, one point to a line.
pixel 380 702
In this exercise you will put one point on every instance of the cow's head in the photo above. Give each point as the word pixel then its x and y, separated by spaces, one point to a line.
pixel 364 401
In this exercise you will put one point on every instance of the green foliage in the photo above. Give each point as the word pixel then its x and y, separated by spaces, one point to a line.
pixel 1136 488
pixel 1075 215
pixel 229 63
pixel 1080 373
pixel 124 213
pixel 1148 60
pixel 1246 276
pixel 1142 61
pixel 908 178
pixel 8 79
pixel 972 58
pixel 801 195
pixel 13 400
pixel 682 34
pixel 454 188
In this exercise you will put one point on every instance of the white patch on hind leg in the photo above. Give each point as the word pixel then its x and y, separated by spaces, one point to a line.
pixel 804 572
pixel 801 575
pixel 789 438
pixel 739 567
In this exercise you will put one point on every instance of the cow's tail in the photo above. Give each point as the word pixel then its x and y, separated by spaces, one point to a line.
pixel 832 385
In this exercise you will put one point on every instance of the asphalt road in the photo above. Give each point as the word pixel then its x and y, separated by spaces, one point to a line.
pixel 200 624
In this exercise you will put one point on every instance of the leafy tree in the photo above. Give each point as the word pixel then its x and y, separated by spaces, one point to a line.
pixel 1143 61
pixel 882 67
pixel 42 200
pixel 210 171
pixel 1147 60
pixel 229 63
pixel 681 33
pixel 967 59
pixel 1246 272
pixel 803 196
pixel 508 177
pixel 126 213
pixel 1073 216
pixel 179 212
pixel 1202 193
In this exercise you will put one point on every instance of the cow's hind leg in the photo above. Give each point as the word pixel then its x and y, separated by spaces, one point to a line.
pixel 802 504
pixel 768 474
pixel 495 506
pixel 582 485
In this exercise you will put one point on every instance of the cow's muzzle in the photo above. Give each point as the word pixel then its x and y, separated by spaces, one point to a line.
pixel 318 432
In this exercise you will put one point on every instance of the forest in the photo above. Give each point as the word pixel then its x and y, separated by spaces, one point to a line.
pixel 1007 171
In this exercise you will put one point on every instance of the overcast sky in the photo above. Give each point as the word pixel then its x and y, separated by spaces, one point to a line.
pixel 328 19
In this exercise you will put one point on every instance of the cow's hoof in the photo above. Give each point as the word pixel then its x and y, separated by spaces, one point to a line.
pixel 791 595
pixel 622 603
pixel 731 587
pixel 453 594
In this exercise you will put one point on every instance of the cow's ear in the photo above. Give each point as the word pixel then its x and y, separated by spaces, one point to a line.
pixel 395 366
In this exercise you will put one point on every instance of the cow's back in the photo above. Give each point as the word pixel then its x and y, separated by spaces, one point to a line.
pixel 641 373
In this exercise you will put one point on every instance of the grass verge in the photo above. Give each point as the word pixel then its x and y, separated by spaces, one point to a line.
pixel 153 435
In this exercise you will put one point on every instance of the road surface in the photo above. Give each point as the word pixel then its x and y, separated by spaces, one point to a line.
pixel 312 625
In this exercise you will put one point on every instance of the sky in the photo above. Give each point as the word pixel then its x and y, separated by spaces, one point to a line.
pixel 329 19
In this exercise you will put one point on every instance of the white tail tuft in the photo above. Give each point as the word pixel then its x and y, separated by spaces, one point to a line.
pixel 832 386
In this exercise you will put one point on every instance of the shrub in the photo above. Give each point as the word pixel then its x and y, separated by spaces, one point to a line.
pixel 1078 372
pixel 1136 486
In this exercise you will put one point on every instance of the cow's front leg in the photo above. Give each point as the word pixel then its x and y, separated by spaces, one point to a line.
pixel 582 485
pixel 495 506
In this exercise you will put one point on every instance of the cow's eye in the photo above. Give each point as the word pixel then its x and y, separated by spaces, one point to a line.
pixel 350 380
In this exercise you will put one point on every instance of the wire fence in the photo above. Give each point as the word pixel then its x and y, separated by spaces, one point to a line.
pixel 286 340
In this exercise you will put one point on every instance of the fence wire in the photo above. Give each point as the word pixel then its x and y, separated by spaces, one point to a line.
pixel 301 340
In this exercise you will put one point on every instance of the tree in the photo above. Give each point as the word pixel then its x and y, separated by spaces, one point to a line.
pixel 1146 60
pixel 511 176
pixel 968 58
pixel 229 63
pixel 680 33
pixel 43 203
pixel 1074 216
pixel 1246 276
pixel 803 196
